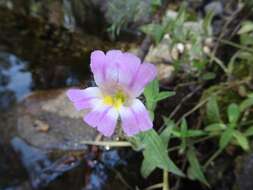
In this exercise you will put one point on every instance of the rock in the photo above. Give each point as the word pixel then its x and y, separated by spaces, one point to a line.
pixel 160 55
pixel 41 126
pixel 48 120
pixel 165 73
pixel 52 110
pixel 215 7
pixel 45 130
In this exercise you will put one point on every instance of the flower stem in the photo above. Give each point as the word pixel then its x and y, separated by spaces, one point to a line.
pixel 166 185
pixel 108 143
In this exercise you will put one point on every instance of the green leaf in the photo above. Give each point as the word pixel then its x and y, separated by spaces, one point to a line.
pixel 213 113
pixel 152 95
pixel 233 113
pixel 147 167
pixel 166 133
pixel 208 76
pixel 151 92
pixel 245 104
pixel 226 138
pixel 196 169
pixel 246 40
pixel 250 95
pixel 156 154
pixel 246 27
pixel 155 31
pixel 242 140
pixel 183 134
pixel 249 132
pixel 136 143
pixel 187 133
pixel 195 133
pixel 156 2
pixel 152 89
pixel 164 95
pixel 207 24
pixel 215 127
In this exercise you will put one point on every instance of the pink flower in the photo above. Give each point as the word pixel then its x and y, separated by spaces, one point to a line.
pixel 120 78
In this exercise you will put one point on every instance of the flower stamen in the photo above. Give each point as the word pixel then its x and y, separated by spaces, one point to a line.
pixel 116 100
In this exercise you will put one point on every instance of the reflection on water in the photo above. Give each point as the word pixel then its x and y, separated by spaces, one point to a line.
pixel 15 80
pixel 83 172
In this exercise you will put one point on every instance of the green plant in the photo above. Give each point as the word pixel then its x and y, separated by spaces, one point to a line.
pixel 121 13
pixel 189 42
pixel 230 131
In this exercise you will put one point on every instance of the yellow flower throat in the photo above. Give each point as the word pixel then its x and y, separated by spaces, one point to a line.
pixel 116 100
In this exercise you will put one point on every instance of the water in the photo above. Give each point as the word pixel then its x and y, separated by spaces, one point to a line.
pixel 15 79
pixel 20 79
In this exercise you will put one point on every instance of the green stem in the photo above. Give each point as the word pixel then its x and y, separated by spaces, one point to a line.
pixel 236 45
pixel 107 143
pixel 219 62
pixel 156 186
pixel 166 185
pixel 213 157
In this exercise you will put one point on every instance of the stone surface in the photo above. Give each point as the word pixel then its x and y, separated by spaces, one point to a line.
pixel 160 56
pixel 53 111
pixel 215 7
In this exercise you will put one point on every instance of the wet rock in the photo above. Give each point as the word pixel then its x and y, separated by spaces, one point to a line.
pixel 61 126
pixel 52 110
pixel 41 126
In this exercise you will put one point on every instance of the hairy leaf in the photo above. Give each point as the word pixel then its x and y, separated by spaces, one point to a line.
pixel 242 140
pixel 233 113
pixel 196 167
pixel 213 113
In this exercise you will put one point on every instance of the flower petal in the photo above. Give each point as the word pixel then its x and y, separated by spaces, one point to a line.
pixel 129 66
pixel 121 67
pixel 103 118
pixel 135 118
pixel 146 73
pixel 115 66
pixel 86 98
pixel 113 59
pixel 98 62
